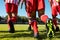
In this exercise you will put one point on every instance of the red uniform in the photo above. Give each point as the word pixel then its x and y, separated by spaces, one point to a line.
pixel 34 5
pixel 11 6
pixel 31 7
pixel 55 7
pixel 11 9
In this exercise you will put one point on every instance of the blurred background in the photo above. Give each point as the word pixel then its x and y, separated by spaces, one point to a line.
pixel 22 16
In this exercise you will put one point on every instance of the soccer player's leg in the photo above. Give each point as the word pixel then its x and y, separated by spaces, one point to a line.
pixel 31 5
pixel 41 12
pixel 28 6
pixel 29 20
pixel 34 24
pixel 9 21
pixel 41 8
pixel 14 12
pixel 54 14
pixel 13 16
pixel 32 16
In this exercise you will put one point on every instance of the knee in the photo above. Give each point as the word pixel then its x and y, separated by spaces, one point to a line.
pixel 14 19
pixel 31 19
pixel 53 17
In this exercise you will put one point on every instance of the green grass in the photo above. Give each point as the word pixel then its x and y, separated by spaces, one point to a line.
pixel 22 33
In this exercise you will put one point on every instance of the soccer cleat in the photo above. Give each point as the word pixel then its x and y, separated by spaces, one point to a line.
pixel 36 35
pixel 29 28
pixel 50 29
pixel 11 29
pixel 57 28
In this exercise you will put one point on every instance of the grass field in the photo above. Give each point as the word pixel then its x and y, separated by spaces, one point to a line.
pixel 22 33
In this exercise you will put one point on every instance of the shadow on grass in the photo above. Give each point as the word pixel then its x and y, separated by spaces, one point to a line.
pixel 12 35
pixel 15 31
pixel 19 35
pixel 22 33
pixel 57 34
pixel 42 36
pixel 26 33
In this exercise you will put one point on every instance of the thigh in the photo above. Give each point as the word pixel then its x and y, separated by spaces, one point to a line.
pixel 32 15
pixel 9 16
pixel 30 5
pixel 14 8
pixel 41 4
pixel 54 11
pixel 8 7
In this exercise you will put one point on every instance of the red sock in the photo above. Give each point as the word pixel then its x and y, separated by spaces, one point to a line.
pixel 14 19
pixel 10 23
pixel 55 22
pixel 34 25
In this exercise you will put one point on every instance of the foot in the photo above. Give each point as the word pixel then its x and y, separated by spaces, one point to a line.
pixel 36 35
pixel 57 28
pixel 11 29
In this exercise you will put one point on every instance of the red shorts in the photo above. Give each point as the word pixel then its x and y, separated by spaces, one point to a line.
pixel 33 5
pixel 55 10
pixel 11 8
